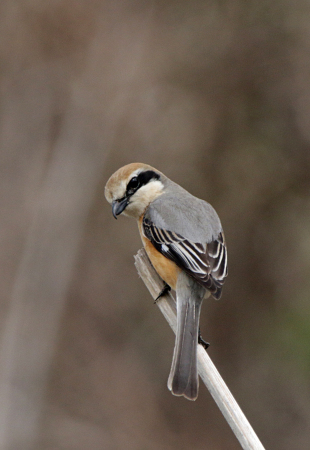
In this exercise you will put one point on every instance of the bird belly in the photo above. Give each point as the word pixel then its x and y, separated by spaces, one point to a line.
pixel 165 268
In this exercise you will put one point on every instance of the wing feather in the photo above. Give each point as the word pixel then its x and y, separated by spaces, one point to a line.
pixel 207 263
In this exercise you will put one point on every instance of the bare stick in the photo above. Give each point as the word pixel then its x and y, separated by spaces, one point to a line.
pixel 207 370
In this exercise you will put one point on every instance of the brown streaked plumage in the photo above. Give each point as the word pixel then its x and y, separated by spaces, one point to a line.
pixel 184 240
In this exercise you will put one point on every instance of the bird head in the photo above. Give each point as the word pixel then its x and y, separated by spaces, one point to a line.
pixel 132 188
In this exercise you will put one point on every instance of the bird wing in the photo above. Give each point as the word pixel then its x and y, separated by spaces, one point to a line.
pixel 206 263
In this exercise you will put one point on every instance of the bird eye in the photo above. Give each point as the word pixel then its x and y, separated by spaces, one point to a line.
pixel 133 185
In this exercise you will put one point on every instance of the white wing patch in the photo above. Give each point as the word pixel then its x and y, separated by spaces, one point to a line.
pixel 164 248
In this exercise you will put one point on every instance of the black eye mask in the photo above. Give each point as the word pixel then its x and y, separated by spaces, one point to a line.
pixel 141 180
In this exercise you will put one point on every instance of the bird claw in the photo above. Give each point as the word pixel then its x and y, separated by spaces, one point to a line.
pixel 163 292
pixel 201 341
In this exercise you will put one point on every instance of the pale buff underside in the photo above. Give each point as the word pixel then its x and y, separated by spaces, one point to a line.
pixel 165 268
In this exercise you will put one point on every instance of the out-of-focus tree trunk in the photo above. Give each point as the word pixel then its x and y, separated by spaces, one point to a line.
pixel 44 274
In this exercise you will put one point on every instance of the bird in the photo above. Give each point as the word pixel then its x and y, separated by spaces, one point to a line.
pixel 184 240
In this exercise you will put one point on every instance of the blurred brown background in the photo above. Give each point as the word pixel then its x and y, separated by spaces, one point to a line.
pixel 216 94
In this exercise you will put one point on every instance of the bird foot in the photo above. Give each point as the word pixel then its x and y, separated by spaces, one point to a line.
pixel 201 341
pixel 163 292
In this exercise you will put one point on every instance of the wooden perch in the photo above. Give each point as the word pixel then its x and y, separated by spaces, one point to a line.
pixel 207 370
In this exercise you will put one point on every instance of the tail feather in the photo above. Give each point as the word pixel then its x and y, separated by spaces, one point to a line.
pixel 183 378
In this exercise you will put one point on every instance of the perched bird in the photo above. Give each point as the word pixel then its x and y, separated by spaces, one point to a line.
pixel 184 240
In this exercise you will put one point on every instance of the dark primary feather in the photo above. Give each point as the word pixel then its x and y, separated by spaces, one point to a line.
pixel 206 263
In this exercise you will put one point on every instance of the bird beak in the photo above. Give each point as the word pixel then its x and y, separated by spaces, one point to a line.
pixel 118 206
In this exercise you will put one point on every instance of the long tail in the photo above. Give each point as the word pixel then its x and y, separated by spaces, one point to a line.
pixel 183 378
